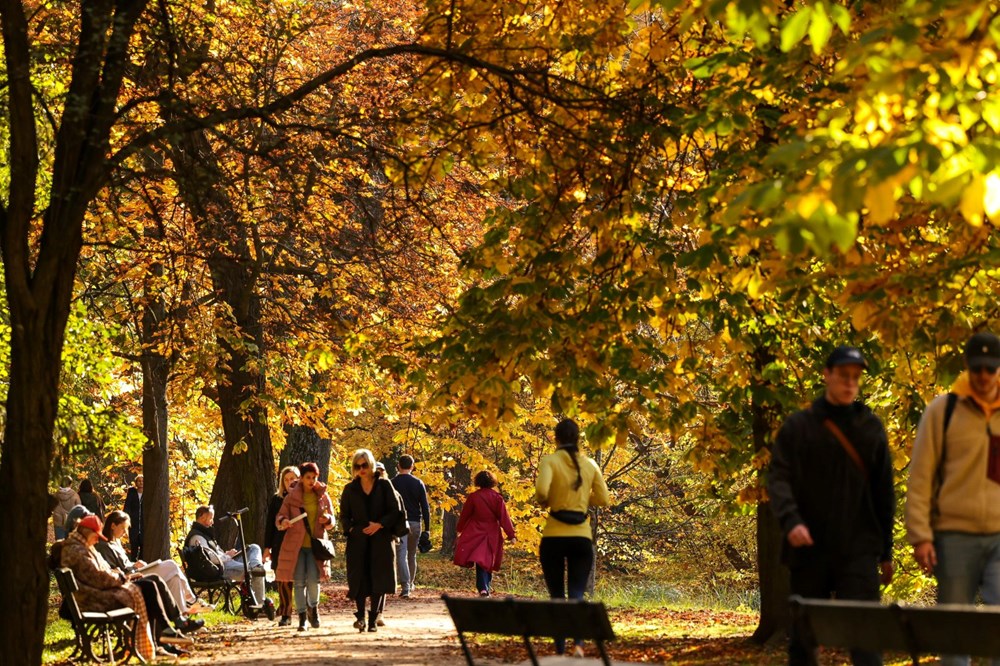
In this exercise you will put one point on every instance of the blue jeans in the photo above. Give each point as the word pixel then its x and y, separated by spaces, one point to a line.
pixel 484 579
pixel 406 557
pixel 306 580
pixel 233 570
pixel 967 564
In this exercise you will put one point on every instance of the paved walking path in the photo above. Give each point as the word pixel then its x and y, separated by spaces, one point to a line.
pixel 417 631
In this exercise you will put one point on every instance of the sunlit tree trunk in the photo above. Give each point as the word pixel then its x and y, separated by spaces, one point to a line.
pixel 156 453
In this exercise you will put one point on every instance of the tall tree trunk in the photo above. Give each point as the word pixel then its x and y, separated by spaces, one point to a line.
pixel 775 616
pixel 156 453
pixel 32 399
pixel 303 444
pixel 461 477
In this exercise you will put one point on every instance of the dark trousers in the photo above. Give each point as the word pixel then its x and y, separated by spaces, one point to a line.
pixel 284 598
pixel 484 579
pixel 569 557
pixel 160 604
pixel 853 578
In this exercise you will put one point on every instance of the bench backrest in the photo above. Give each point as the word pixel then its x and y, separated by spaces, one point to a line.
pixel 585 620
pixel 67 586
pixel 943 629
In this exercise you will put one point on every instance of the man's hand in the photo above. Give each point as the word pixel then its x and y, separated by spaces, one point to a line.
pixel 139 564
pixel 887 569
pixel 232 552
pixel 799 536
pixel 372 528
pixel 926 556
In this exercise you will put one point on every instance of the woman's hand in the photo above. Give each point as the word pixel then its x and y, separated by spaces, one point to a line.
pixel 266 554
pixel 372 528
pixel 139 564
pixel 282 523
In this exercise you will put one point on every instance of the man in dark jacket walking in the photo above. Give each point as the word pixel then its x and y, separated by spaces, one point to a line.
pixel 415 500
pixel 830 485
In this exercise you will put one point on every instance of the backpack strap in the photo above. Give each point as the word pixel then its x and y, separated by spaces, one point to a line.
pixel 949 410
pixel 852 453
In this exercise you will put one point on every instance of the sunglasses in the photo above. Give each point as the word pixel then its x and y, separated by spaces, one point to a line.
pixel 980 368
pixel 363 465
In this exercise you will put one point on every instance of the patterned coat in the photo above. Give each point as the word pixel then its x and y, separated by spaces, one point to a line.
pixel 291 543
pixel 103 590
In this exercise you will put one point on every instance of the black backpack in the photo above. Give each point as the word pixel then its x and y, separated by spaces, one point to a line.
pixel 202 564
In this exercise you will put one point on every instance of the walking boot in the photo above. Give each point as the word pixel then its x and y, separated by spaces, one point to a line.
pixel 359 621
pixel 372 621
pixel 302 620
pixel 313 614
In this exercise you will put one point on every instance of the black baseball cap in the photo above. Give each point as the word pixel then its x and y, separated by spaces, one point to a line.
pixel 983 348
pixel 845 355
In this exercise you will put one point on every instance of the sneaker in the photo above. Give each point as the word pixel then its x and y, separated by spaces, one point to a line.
pixel 484 593
pixel 378 620
pixel 190 624
pixel 404 595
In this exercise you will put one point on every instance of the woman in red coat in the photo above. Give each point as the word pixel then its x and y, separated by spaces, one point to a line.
pixel 295 561
pixel 479 541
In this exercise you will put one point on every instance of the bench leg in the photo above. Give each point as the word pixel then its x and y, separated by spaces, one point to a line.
pixel 604 653
pixel 465 650
pixel 531 651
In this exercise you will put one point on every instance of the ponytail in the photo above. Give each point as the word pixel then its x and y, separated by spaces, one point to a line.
pixel 572 451
pixel 568 439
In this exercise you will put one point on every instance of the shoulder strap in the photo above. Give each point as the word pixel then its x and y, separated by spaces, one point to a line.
pixel 949 409
pixel 852 453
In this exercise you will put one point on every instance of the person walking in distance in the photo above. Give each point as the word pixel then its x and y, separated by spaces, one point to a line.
pixel 414 495
pixel 952 513
pixel 273 538
pixel 481 526
pixel 133 507
pixel 830 484
pixel 568 484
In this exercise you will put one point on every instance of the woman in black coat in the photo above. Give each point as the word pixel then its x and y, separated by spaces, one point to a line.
pixel 273 538
pixel 369 512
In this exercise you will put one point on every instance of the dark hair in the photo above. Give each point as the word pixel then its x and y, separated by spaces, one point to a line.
pixel 307 467
pixel 485 479
pixel 86 486
pixel 405 462
pixel 202 510
pixel 568 439
pixel 112 519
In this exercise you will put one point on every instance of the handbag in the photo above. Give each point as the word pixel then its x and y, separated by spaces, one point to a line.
pixel 322 549
pixel 569 517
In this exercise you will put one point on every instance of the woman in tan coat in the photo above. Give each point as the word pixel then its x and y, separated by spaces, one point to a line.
pixel 100 589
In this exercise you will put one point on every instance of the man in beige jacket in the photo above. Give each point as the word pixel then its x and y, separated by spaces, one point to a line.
pixel 953 499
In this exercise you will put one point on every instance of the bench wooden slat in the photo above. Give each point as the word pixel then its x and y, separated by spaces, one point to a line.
pixel 552 618
pixel 916 630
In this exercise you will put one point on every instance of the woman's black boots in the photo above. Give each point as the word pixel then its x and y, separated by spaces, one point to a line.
pixel 313 612
pixel 372 621
pixel 359 622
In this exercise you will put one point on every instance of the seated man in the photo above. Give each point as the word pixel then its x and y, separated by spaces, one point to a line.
pixel 203 534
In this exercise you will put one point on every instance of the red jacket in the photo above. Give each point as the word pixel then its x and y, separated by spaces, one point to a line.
pixel 479 540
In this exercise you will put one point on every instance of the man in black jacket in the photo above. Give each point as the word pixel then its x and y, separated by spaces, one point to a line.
pixel 415 500
pixel 830 485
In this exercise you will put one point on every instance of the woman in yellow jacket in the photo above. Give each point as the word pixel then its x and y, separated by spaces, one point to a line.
pixel 568 484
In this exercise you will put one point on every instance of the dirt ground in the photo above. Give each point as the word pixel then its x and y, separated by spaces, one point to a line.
pixel 417 631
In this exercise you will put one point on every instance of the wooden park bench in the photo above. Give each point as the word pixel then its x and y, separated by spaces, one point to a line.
pixel 915 630
pixel 100 637
pixel 526 618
